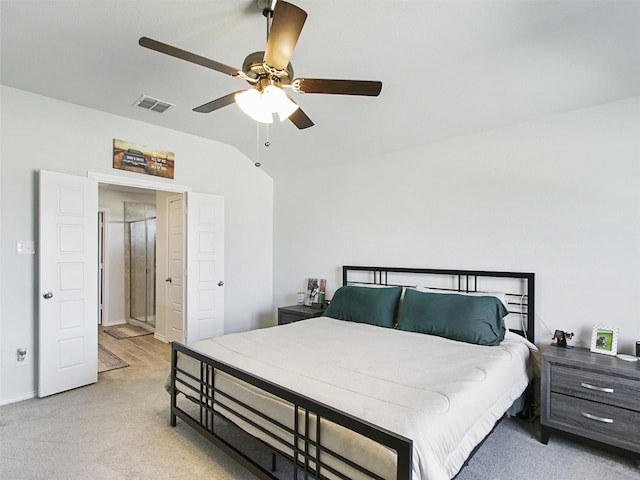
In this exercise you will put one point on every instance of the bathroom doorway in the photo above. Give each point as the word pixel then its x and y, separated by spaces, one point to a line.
pixel 128 287
pixel 140 268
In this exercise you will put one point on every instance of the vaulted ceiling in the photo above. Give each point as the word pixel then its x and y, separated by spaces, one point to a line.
pixel 449 68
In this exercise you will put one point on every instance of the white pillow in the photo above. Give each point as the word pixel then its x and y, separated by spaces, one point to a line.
pixel 499 295
pixel 370 285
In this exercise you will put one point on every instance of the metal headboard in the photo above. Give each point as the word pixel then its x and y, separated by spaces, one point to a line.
pixel 521 301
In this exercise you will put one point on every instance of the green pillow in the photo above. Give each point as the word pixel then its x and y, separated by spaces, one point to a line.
pixel 478 320
pixel 376 306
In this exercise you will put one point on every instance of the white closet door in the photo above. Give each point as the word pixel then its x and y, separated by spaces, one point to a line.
pixel 205 266
pixel 175 268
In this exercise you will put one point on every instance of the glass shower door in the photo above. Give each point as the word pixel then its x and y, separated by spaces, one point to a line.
pixel 142 280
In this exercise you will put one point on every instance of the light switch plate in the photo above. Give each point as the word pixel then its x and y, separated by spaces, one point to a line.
pixel 26 247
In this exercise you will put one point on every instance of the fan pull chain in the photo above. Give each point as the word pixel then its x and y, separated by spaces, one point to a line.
pixel 257 164
pixel 267 143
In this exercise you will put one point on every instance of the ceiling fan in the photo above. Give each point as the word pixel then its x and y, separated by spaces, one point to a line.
pixel 269 72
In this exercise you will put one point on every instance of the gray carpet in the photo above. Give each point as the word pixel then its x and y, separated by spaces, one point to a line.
pixel 119 429
pixel 513 451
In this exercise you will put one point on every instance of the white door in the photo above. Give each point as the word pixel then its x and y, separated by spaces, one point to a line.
pixel 102 266
pixel 68 283
pixel 175 270
pixel 205 266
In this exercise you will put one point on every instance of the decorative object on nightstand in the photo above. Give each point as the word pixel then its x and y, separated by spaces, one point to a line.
pixel 295 313
pixel 604 340
pixel 561 338
pixel 627 358
pixel 316 288
pixel 591 396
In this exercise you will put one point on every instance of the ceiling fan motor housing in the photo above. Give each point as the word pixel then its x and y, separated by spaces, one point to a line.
pixel 254 68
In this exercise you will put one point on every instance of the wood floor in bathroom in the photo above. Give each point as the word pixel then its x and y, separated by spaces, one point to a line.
pixel 139 352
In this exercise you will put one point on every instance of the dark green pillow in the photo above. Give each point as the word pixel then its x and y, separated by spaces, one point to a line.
pixel 376 306
pixel 478 320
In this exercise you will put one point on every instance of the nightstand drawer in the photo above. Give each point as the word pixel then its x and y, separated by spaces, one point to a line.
pixel 604 423
pixel 295 313
pixel 604 388
pixel 286 317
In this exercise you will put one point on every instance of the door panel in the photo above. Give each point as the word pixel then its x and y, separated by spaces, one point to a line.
pixel 175 269
pixel 205 266
pixel 68 283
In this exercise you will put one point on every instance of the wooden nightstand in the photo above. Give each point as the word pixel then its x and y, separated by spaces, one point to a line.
pixel 294 313
pixel 591 395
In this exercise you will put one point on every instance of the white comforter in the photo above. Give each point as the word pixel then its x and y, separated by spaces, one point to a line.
pixel 443 394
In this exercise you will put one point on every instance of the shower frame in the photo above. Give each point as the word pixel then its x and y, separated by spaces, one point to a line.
pixel 141 263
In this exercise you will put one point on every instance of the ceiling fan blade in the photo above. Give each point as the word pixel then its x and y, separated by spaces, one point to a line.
pixel 300 119
pixel 285 29
pixel 188 56
pixel 217 103
pixel 338 87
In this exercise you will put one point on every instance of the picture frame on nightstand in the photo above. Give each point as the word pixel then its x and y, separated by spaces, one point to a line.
pixel 604 340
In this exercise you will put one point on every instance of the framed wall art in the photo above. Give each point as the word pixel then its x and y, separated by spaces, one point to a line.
pixel 604 340
pixel 140 159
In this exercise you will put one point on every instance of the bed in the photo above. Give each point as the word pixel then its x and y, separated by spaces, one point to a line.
pixel 359 397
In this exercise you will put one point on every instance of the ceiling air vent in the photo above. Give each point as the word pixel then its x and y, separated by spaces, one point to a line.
pixel 150 103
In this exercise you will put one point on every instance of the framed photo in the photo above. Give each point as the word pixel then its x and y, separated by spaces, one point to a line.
pixel 315 291
pixel 604 340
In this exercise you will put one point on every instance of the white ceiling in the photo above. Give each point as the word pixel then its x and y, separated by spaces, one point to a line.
pixel 449 68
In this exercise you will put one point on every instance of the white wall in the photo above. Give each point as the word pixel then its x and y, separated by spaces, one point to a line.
pixel 559 197
pixel 43 133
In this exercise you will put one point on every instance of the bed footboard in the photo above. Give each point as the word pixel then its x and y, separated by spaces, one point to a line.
pixel 300 438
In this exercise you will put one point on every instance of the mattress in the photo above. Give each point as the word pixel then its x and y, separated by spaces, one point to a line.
pixel 444 395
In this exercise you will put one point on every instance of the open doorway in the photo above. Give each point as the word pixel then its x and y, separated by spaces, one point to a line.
pixel 129 263
pixel 129 258
pixel 63 324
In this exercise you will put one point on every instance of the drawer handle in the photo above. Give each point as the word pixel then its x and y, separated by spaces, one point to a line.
pixel 597 419
pixel 599 389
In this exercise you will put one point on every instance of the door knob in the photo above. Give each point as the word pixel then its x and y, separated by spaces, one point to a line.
pixel 48 295
pixel 220 283
pixel 168 279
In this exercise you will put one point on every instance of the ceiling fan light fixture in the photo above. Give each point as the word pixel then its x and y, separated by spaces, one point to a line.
pixel 262 105
pixel 278 102
pixel 250 102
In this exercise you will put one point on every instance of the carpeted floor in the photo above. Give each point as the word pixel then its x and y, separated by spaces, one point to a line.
pixel 119 428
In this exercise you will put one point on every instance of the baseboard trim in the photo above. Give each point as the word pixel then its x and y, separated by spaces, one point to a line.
pixel 162 338
pixel 17 399
pixel 114 324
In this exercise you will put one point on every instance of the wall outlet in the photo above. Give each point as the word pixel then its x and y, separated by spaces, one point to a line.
pixel 22 357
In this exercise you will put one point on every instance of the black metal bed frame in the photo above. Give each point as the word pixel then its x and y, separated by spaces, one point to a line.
pixel 466 281
pixel 308 450
pixel 312 464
